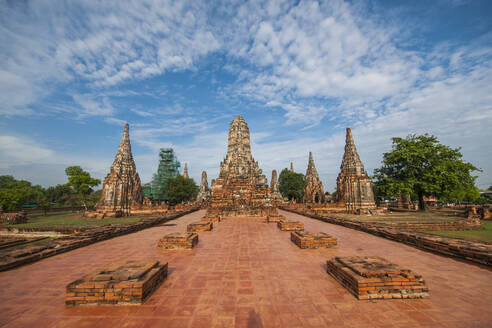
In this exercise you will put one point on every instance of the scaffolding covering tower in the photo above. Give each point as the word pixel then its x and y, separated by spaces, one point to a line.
pixel 168 168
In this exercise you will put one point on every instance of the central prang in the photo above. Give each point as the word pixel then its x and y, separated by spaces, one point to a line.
pixel 241 189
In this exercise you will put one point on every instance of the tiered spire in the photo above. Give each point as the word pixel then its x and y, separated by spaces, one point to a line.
pixel 351 162
pixel 239 162
pixel 274 186
pixel 204 193
pixel 313 192
pixel 121 188
pixel 353 184
pixel 185 171
pixel 291 167
pixel 241 188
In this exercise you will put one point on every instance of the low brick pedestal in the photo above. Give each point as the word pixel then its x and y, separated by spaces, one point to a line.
pixel 376 278
pixel 13 218
pixel 129 283
pixel 275 218
pixel 290 225
pixel 178 240
pixel 199 226
pixel 213 219
pixel 306 239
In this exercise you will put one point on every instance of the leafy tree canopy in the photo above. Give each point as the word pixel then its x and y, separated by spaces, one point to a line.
pixel 291 184
pixel 15 193
pixel 180 189
pixel 419 165
pixel 80 181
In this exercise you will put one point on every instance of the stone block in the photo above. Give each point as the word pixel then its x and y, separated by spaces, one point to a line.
pixel 178 240
pixel 199 226
pixel 376 278
pixel 290 225
pixel 306 239
pixel 13 218
pixel 129 283
pixel 213 219
pixel 275 218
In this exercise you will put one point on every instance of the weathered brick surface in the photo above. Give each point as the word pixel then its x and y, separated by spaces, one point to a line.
pixel 13 218
pixel 290 225
pixel 34 252
pixel 199 226
pixel 306 239
pixel 213 219
pixel 129 283
pixel 476 252
pixel 275 218
pixel 241 189
pixel 178 240
pixel 376 278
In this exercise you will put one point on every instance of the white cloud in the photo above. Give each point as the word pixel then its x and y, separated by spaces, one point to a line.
pixel 20 150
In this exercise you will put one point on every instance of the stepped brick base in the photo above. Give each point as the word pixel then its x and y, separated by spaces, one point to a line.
pixel 306 239
pixel 376 278
pixel 214 219
pixel 290 225
pixel 178 240
pixel 275 218
pixel 199 226
pixel 127 283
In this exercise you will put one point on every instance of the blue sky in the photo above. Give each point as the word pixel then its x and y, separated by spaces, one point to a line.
pixel 300 72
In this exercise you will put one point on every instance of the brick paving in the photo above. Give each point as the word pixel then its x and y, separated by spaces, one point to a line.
pixel 247 273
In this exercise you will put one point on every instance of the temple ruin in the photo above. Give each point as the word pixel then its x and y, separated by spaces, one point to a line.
pixel 185 171
pixel 241 189
pixel 354 186
pixel 204 193
pixel 313 192
pixel 121 189
pixel 276 195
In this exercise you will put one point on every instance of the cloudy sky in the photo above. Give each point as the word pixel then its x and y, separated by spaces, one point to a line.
pixel 300 72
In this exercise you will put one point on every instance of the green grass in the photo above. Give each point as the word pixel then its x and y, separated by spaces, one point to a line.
pixel 476 235
pixel 70 220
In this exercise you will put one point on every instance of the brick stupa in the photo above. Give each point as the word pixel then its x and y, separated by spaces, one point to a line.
pixel 313 193
pixel 241 189
pixel 121 188
pixel 276 195
pixel 354 186
pixel 204 193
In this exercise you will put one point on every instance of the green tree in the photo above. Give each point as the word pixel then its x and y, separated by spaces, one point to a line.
pixel 15 193
pixel 58 194
pixel 80 182
pixel 180 189
pixel 421 166
pixel 291 184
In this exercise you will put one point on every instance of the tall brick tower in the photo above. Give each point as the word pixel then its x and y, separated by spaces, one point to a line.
pixel 313 193
pixel 353 184
pixel 241 189
pixel 121 188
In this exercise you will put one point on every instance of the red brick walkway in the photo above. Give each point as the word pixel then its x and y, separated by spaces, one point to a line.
pixel 247 273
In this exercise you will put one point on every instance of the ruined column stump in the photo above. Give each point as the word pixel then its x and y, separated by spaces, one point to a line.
pixel 213 219
pixel 199 226
pixel 290 225
pixel 129 283
pixel 306 239
pixel 275 218
pixel 376 278
pixel 178 240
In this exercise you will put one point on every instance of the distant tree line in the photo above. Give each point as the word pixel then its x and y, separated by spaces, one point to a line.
pixel 14 194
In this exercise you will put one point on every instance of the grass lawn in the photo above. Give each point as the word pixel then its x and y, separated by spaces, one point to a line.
pixel 477 235
pixel 70 220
